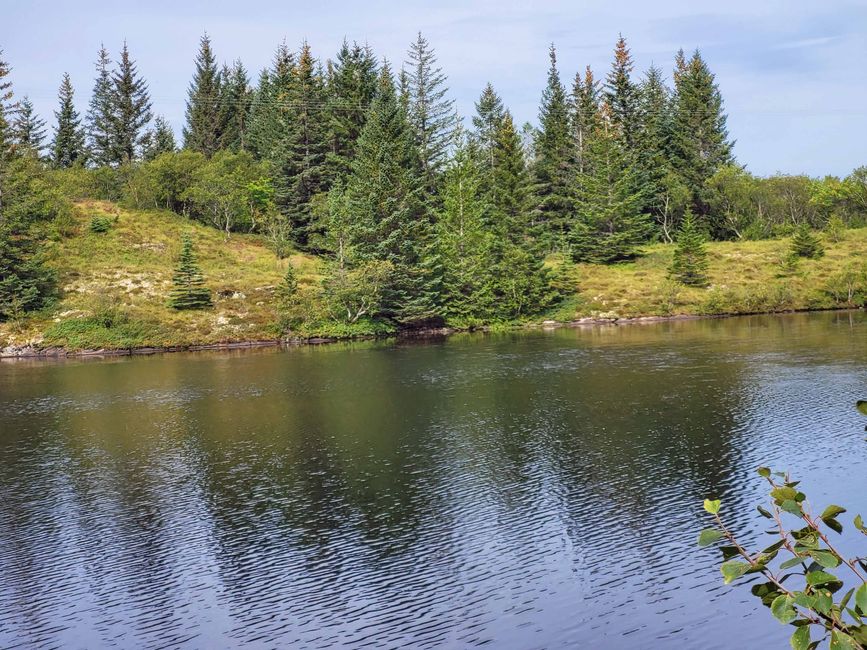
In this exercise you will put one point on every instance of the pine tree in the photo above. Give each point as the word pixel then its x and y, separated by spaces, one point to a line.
pixel 99 114
pixel 611 221
pixel 351 89
pixel 390 222
pixel 26 282
pixel 509 185
pixel 699 141
pixel 689 264
pixel 431 115
pixel 486 122
pixel 202 130
pixel 158 140
pixel 654 136
pixel 6 109
pixel 28 129
pixel 805 243
pixel 554 161
pixel 188 284
pixel 585 114
pixel 235 104
pixel 622 96
pixel 130 110
pixel 67 147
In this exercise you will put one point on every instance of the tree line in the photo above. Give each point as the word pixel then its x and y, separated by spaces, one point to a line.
pixel 419 215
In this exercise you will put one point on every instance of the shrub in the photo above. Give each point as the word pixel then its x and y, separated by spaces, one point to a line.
pixel 805 243
pixel 100 224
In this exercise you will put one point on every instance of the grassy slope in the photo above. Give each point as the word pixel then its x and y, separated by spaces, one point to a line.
pixel 126 274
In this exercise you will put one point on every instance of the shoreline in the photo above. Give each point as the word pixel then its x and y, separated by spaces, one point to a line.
pixel 55 353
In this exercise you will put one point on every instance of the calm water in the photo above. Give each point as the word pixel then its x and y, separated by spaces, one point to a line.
pixel 537 490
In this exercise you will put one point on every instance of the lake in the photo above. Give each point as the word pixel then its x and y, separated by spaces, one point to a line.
pixel 538 489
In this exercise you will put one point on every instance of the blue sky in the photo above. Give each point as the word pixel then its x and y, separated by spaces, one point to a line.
pixel 793 73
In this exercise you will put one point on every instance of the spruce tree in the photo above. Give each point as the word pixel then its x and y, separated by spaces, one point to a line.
pixel 99 114
pixel 389 219
pixel 699 140
pixel 486 122
pixel 611 222
pixel 67 147
pixel 622 96
pixel 554 161
pixel 202 130
pixel 188 284
pixel 351 89
pixel 6 109
pixel 235 100
pixel 805 243
pixel 585 114
pixel 28 129
pixel 509 185
pixel 653 139
pixel 130 110
pixel 689 264
pixel 26 282
pixel 158 140
pixel 431 115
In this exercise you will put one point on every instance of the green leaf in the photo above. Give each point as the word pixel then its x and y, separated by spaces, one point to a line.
pixel 775 547
pixel 823 602
pixel 729 552
pixel 859 524
pixel 805 600
pixel 825 558
pixel 815 578
pixel 712 506
pixel 832 511
pixel 861 405
pixel 842 641
pixel 801 638
pixel 781 494
pixel 732 570
pixel 788 564
pixel 764 472
pixel 708 536
pixel 861 598
pixel 845 600
pixel 791 507
pixel 782 609
pixel 764 512
pixel 833 524
pixel 860 634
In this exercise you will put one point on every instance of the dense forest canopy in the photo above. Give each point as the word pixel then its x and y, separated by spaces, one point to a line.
pixel 421 214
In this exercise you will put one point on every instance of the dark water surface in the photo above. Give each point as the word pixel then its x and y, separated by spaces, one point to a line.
pixel 534 490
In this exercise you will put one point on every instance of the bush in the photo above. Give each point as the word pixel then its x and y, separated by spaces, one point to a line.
pixel 805 243
pixel 100 224
pixel 107 328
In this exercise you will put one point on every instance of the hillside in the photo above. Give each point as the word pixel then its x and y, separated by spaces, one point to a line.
pixel 115 284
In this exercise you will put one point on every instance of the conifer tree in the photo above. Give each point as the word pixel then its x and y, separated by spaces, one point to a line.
pixel 509 185
pixel 351 89
pixel 554 161
pixel 611 221
pixel 585 114
pixel 805 243
pixel 188 284
pixel 99 114
pixel 390 222
pixel 130 110
pixel 486 122
pixel 689 263
pixel 622 96
pixel 654 136
pixel 431 115
pixel 6 109
pixel 28 129
pixel 202 130
pixel 67 147
pixel 158 140
pixel 699 141
pixel 235 100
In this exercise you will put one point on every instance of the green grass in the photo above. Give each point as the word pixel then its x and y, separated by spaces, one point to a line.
pixel 115 284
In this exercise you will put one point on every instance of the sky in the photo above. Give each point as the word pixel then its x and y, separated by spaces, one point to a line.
pixel 793 73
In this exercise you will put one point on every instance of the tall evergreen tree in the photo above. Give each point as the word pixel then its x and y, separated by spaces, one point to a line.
pixel 431 114
pixel 28 129
pixel 351 89
pixel 158 140
pixel 99 114
pixel 510 184
pixel 611 221
pixel 689 263
pixel 486 122
pixel 202 130
pixel 554 161
pixel 188 284
pixel 235 101
pixel 585 114
pixel 623 96
pixel 653 138
pixel 6 108
pixel 384 195
pixel 130 109
pixel 699 141
pixel 67 147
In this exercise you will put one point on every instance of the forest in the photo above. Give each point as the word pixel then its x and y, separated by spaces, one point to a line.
pixel 418 216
